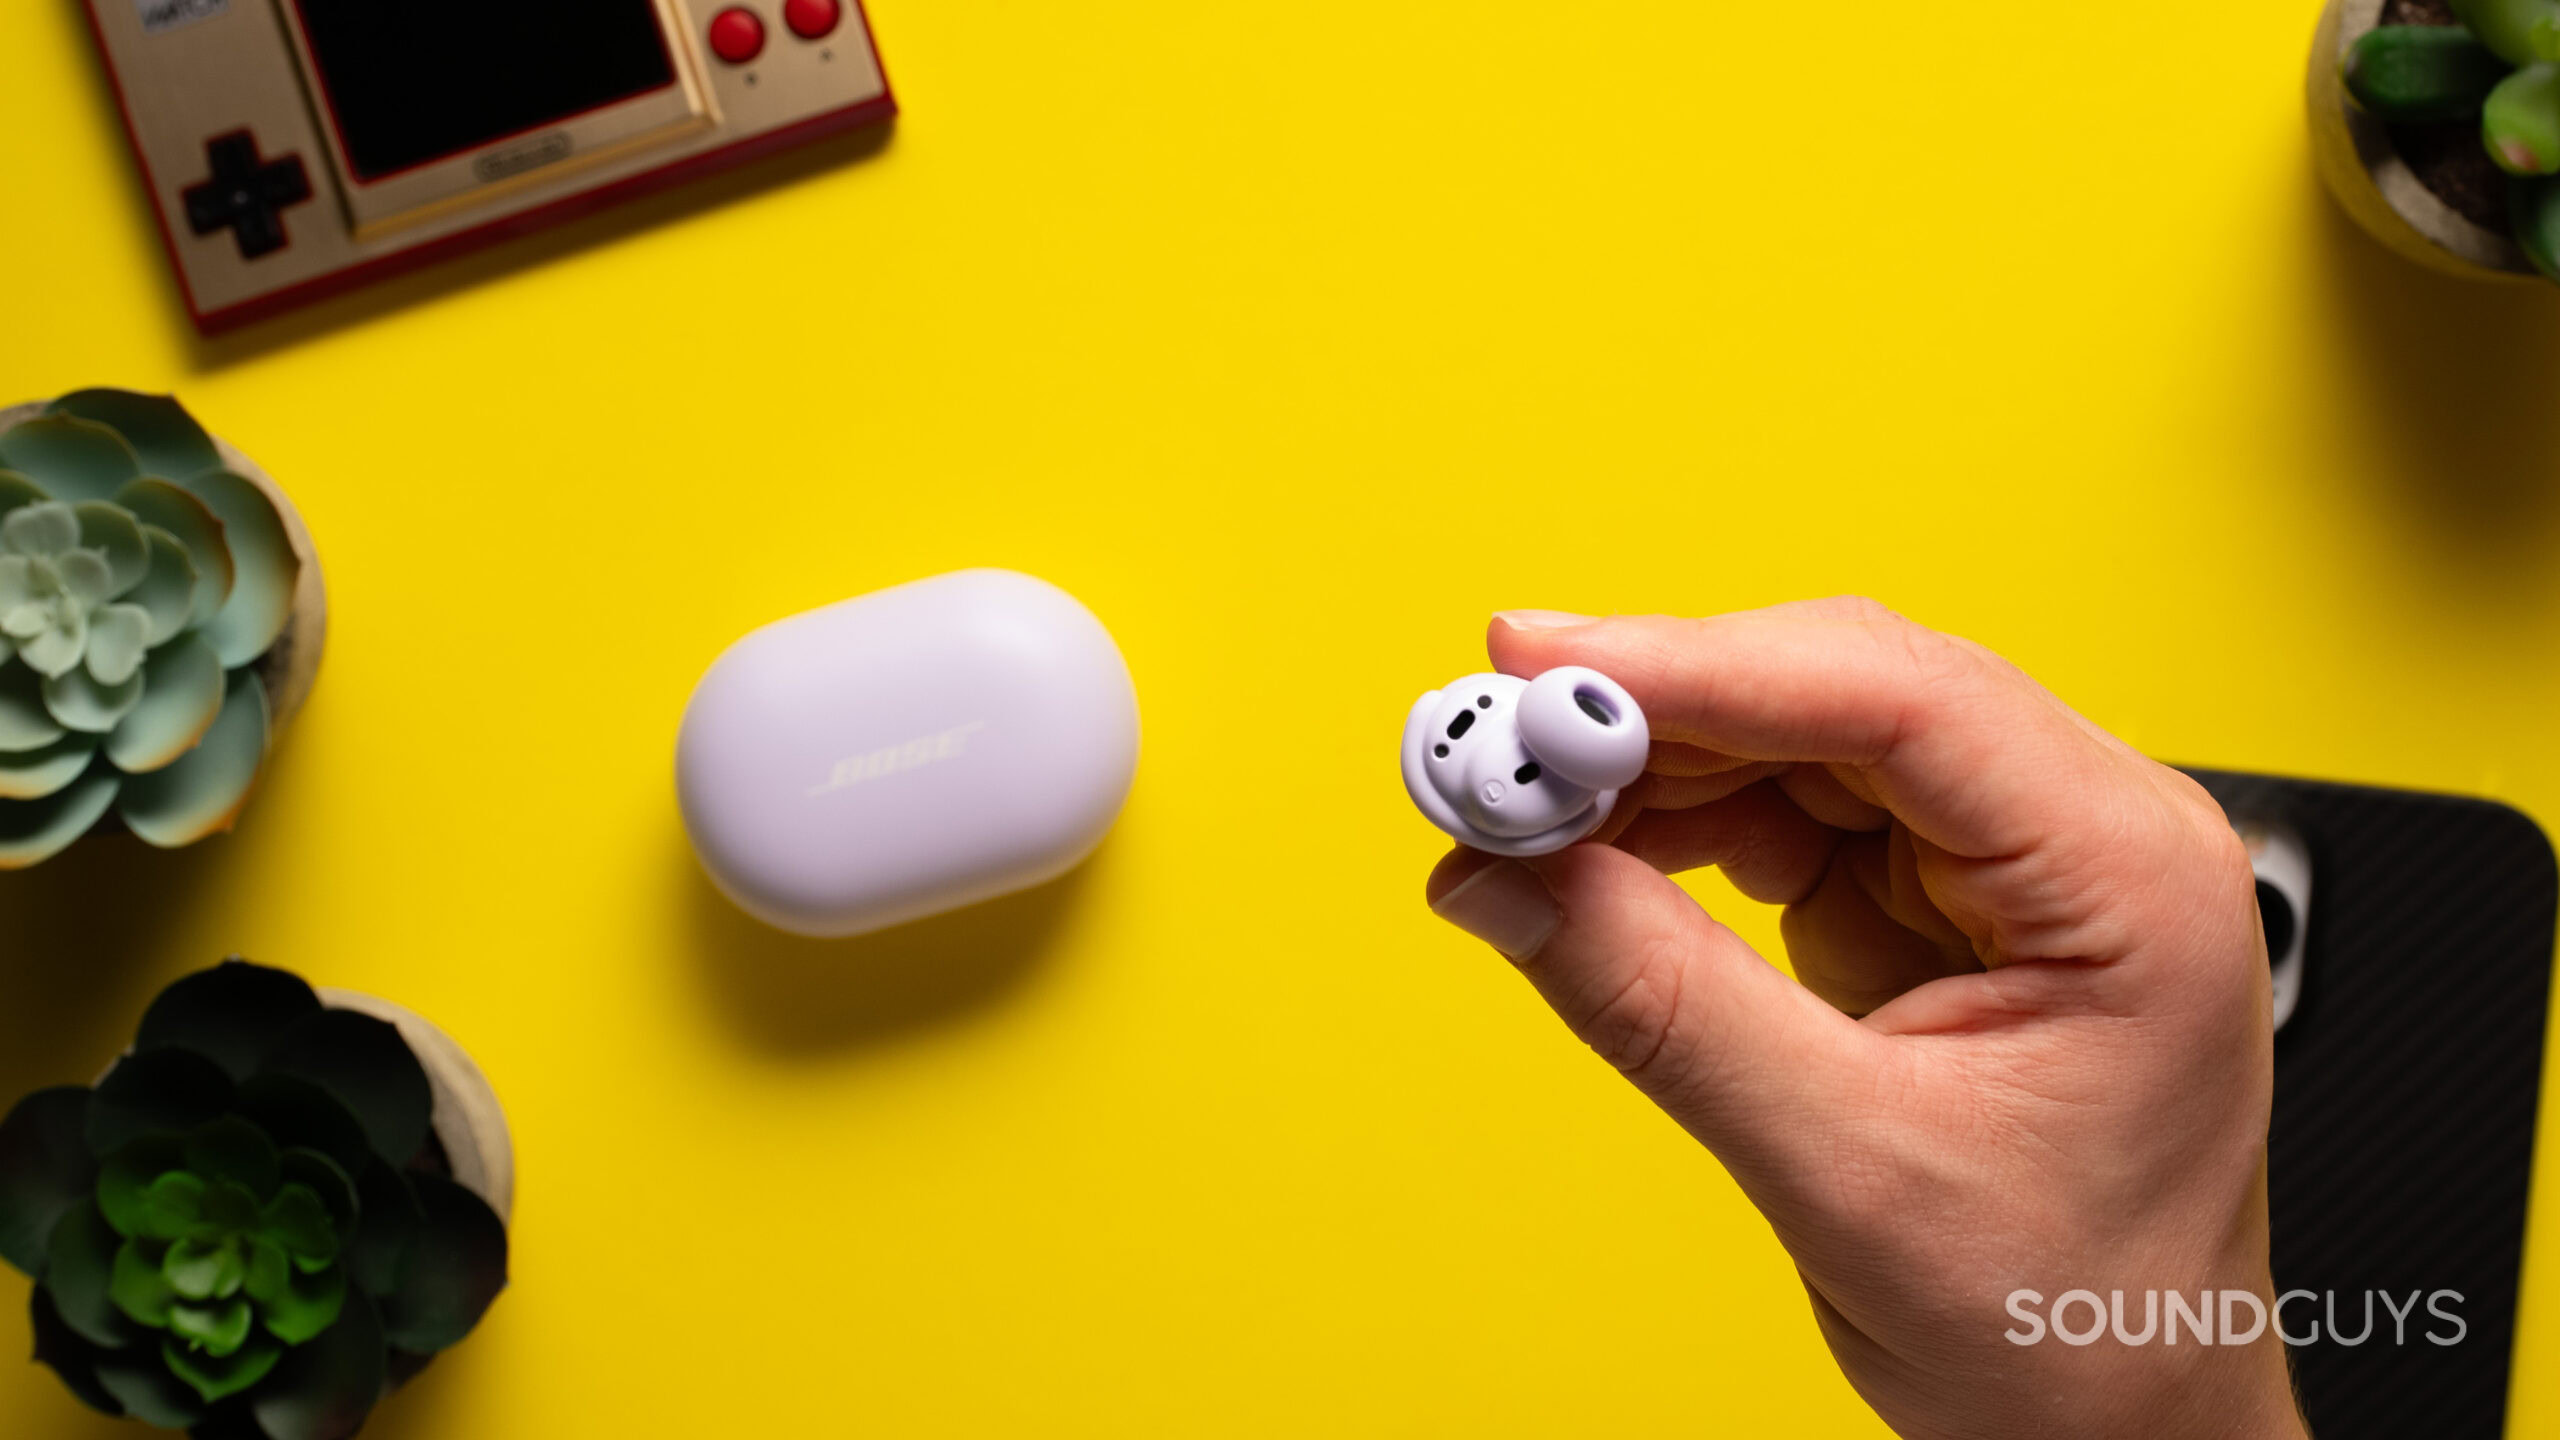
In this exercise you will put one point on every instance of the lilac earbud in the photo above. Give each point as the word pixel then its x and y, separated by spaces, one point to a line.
pixel 1523 767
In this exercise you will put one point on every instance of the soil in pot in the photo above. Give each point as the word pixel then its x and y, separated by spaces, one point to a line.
pixel 2449 159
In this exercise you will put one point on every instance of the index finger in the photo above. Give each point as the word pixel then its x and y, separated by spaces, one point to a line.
pixel 1971 754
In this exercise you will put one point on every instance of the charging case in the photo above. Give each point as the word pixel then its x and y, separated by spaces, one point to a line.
pixel 907 752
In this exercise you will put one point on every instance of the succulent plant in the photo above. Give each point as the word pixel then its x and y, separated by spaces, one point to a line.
pixel 141 583
pixel 247 1229
pixel 2501 64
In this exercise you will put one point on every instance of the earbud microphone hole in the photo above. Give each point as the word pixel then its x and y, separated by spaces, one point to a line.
pixel 1523 767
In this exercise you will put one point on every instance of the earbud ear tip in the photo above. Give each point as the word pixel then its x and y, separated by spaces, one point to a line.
pixel 1585 727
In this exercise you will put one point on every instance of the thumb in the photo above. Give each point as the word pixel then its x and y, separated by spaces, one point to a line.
pixel 1742 1056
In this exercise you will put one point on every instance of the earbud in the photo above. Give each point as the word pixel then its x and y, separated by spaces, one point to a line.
pixel 1523 767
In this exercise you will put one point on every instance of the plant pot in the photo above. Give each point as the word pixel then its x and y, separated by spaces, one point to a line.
pixel 469 1123
pixel 335 1156
pixel 2365 170
pixel 98 757
pixel 291 665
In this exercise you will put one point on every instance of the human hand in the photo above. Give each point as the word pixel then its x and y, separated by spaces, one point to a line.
pixel 2061 1065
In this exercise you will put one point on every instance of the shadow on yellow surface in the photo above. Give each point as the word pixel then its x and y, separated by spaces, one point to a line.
pixel 92 931
pixel 796 997
pixel 2455 389
pixel 74 1421
pixel 85 924
pixel 423 1408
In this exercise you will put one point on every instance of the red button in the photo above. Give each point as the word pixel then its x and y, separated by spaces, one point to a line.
pixel 812 19
pixel 737 36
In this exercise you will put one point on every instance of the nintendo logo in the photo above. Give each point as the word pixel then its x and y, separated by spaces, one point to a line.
pixel 160 15
pixel 524 155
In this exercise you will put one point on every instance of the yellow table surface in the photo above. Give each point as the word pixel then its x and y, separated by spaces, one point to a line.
pixel 1294 341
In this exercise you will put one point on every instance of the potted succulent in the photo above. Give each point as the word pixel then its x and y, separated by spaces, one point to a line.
pixel 161 619
pixel 2436 123
pixel 276 1206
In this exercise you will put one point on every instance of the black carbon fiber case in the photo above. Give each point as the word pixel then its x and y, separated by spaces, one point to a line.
pixel 2406 1082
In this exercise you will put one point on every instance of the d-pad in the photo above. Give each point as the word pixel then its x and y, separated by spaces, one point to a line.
pixel 246 195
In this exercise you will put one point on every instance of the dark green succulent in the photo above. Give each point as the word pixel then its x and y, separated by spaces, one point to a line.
pixel 142 582
pixel 2501 64
pixel 247 1228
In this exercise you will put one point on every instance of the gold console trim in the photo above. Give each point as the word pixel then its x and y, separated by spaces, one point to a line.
pixel 462 181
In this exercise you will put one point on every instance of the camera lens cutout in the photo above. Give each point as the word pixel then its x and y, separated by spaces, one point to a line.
pixel 2275 912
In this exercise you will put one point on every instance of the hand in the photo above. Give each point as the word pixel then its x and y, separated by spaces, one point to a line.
pixel 2029 1043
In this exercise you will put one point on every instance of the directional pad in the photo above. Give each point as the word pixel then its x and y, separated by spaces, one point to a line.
pixel 246 195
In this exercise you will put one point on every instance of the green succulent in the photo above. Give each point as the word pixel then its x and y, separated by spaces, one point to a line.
pixel 141 583
pixel 220 1251
pixel 2501 64
pixel 246 1229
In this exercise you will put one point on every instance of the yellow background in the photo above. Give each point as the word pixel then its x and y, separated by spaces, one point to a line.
pixel 1293 340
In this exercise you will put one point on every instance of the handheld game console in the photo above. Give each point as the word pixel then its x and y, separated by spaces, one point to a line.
pixel 296 148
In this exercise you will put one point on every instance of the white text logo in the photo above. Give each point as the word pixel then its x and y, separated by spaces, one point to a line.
pixel 2234 1317
pixel 914 754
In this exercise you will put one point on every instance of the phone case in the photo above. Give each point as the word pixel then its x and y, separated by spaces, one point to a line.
pixel 2401 1150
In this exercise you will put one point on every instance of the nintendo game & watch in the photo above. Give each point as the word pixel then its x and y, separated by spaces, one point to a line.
pixel 296 148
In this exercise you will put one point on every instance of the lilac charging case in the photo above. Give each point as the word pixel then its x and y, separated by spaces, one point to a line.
pixel 907 752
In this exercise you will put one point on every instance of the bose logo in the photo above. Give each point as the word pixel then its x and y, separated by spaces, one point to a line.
pixel 915 754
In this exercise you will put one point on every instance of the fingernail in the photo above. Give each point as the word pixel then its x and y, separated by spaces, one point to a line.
pixel 1542 619
pixel 1506 906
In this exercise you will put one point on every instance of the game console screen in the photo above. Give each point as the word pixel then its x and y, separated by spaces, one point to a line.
pixel 411 82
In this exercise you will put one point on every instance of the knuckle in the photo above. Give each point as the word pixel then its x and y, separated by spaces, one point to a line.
pixel 1940 674
pixel 1632 1025
pixel 2204 831
pixel 2227 852
pixel 2194 853
pixel 2193 800
pixel 1866 608
pixel 1935 657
